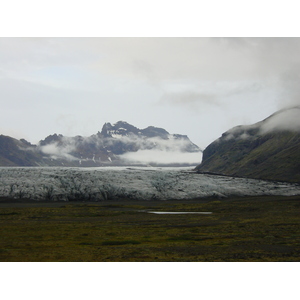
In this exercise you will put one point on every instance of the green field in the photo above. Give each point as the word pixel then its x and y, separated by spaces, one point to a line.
pixel 239 229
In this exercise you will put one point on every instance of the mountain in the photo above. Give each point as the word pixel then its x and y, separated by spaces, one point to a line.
pixel 14 152
pixel 106 148
pixel 269 149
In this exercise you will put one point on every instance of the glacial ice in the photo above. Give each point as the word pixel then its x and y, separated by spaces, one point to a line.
pixel 140 183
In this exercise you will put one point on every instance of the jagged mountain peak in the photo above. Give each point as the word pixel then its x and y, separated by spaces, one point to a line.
pixel 121 128
pixel 121 123
pixel 104 148
pixel 52 138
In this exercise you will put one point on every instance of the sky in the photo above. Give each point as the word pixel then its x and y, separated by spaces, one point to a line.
pixel 199 87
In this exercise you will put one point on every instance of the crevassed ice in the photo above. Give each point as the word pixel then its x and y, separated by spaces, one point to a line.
pixel 140 183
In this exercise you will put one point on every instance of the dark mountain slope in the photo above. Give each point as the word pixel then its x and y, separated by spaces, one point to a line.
pixel 269 149
pixel 17 152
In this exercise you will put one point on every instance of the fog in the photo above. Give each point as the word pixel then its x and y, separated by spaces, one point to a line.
pixel 162 157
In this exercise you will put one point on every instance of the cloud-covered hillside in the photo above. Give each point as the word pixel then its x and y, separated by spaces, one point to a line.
pixel 269 149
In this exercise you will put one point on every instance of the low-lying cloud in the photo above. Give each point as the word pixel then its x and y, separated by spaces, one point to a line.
pixel 284 120
pixel 57 152
pixel 162 157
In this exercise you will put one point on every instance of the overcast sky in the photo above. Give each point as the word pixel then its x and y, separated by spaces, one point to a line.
pixel 199 87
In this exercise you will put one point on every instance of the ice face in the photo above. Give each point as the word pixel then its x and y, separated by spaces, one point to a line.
pixel 96 184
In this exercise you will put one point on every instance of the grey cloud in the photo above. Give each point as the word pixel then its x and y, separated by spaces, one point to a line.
pixel 214 95
pixel 158 59
pixel 192 99
pixel 144 70
pixel 169 58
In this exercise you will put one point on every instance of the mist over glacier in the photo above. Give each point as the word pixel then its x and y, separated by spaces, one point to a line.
pixel 161 157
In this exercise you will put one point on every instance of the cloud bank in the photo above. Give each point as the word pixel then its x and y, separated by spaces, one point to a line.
pixel 162 157
pixel 288 119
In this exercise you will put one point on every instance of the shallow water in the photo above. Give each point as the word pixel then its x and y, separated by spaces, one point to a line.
pixel 179 212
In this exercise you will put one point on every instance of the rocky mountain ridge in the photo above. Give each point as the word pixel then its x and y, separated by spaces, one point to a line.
pixel 102 149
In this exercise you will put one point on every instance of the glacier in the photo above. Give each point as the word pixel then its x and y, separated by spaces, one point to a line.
pixel 139 183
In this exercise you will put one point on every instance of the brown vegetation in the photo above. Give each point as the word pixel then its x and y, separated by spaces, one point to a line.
pixel 240 229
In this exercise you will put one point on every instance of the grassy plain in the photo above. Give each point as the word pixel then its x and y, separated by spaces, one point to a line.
pixel 239 229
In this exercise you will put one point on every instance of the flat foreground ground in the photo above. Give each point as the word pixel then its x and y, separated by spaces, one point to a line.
pixel 239 229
